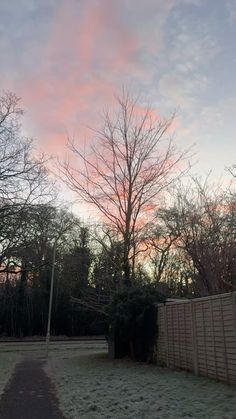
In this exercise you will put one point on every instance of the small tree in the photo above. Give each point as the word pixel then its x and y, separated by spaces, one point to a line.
pixel 160 240
pixel 131 163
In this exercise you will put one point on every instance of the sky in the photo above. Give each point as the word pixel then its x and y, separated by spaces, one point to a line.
pixel 67 58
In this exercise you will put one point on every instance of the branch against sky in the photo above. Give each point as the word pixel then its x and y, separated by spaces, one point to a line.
pixel 131 163
pixel 203 220
pixel 24 181
pixel 23 177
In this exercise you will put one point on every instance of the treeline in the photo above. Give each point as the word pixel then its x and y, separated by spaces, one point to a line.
pixel 190 251
pixel 26 276
pixel 183 246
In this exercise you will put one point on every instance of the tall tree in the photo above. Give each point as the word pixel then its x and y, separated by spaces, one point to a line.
pixel 132 162
pixel 23 177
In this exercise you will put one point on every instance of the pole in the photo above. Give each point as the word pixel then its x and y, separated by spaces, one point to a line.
pixel 50 298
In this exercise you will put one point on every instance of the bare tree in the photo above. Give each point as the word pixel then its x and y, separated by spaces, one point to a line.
pixel 204 221
pixel 132 162
pixel 160 240
pixel 23 177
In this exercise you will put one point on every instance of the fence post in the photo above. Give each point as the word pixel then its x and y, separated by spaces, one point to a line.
pixel 166 335
pixel 234 309
pixel 194 338
pixel 224 342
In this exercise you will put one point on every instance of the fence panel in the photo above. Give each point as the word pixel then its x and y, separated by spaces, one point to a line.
pixel 199 335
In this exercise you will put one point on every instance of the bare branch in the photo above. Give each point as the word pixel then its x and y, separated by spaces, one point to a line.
pixel 130 164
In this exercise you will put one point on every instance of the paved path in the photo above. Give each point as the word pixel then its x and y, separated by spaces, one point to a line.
pixel 29 394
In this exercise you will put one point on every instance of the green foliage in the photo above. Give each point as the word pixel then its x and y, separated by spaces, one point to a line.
pixel 133 321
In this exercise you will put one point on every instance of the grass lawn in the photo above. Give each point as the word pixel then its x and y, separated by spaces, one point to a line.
pixel 90 386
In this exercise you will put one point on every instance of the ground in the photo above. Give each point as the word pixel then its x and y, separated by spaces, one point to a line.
pixel 90 386
pixel 8 361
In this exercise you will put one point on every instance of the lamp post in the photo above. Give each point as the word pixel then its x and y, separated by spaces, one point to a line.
pixel 50 298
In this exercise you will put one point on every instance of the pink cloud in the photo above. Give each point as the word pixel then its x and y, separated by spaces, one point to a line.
pixel 72 83
pixel 90 51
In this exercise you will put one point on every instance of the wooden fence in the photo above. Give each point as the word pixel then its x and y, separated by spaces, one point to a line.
pixel 199 335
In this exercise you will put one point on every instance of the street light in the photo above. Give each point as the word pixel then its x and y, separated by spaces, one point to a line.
pixel 50 298
pixel 64 227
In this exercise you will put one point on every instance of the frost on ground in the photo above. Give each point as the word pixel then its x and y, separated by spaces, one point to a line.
pixel 91 386
pixel 7 365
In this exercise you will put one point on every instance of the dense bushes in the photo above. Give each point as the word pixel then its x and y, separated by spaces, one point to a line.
pixel 133 322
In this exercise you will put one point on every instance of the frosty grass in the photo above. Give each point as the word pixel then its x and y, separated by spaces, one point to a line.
pixel 90 386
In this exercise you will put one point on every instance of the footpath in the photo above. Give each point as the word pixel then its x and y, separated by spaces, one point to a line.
pixel 30 394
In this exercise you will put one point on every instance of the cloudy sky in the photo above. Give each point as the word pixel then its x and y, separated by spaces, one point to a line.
pixel 67 58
